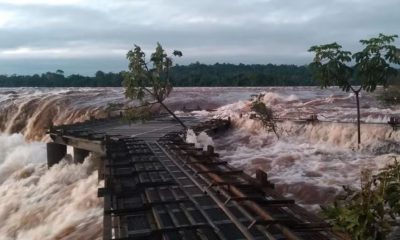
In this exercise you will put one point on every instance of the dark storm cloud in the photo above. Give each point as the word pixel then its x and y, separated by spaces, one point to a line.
pixel 84 36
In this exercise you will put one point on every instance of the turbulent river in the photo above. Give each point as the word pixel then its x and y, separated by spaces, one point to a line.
pixel 309 162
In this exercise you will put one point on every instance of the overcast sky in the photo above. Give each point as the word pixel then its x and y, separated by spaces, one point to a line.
pixel 82 36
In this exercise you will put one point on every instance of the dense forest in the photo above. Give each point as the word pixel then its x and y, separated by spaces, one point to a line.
pixel 195 74
pixel 241 75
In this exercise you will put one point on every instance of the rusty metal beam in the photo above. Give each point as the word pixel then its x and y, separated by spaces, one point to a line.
pixel 289 234
pixel 243 229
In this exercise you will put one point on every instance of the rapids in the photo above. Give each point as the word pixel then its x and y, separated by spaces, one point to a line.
pixel 309 162
pixel 40 203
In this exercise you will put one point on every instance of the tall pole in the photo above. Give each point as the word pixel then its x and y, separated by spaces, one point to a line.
pixel 358 118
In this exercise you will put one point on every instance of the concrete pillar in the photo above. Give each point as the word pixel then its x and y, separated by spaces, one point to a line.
pixel 55 152
pixel 80 155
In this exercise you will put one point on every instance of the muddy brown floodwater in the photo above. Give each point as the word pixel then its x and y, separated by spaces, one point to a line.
pixel 309 162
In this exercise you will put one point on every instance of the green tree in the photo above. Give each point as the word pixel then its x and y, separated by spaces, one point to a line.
pixel 99 75
pixel 149 82
pixel 60 72
pixel 372 66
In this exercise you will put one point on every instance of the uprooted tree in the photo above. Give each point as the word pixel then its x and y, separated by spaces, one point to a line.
pixel 373 66
pixel 149 82
pixel 264 114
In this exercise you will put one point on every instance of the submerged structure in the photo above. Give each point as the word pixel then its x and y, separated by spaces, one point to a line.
pixel 157 186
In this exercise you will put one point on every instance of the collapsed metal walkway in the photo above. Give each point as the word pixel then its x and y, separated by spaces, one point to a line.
pixel 159 187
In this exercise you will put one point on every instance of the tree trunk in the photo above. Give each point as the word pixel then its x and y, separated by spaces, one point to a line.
pixel 358 117
pixel 157 98
pixel 173 115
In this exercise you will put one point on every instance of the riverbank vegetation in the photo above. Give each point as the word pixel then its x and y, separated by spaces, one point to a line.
pixel 371 212
pixel 196 74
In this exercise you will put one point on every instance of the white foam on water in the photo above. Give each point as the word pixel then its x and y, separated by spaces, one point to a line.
pixel 200 141
pixel 309 162
pixel 40 203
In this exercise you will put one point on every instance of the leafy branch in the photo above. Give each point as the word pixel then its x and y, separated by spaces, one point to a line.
pixel 149 82
pixel 373 66
pixel 264 114
pixel 369 213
